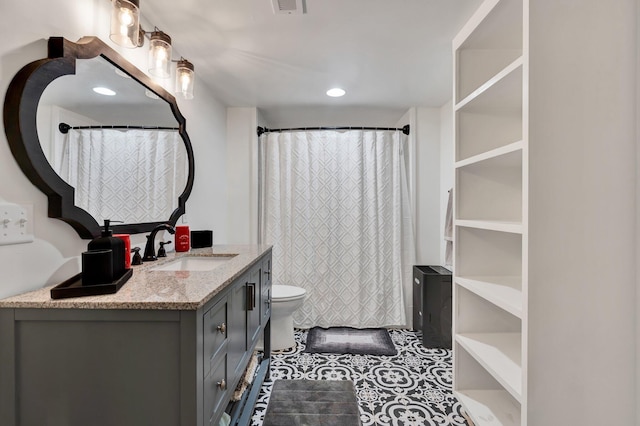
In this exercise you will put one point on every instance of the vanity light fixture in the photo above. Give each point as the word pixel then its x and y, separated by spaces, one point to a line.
pixel 125 23
pixel 159 54
pixel 336 92
pixel 126 31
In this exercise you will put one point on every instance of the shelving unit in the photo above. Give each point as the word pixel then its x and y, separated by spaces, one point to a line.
pixel 490 229
pixel 545 213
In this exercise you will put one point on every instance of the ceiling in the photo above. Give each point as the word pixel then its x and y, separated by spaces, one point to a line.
pixel 389 55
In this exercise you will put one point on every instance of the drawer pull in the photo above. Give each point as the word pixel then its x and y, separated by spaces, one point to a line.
pixel 222 384
pixel 251 296
pixel 222 328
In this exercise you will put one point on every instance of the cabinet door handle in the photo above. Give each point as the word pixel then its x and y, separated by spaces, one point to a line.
pixel 267 273
pixel 222 384
pixel 222 328
pixel 251 296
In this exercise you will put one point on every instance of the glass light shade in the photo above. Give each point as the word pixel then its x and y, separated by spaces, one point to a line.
pixel 160 55
pixel 185 76
pixel 125 22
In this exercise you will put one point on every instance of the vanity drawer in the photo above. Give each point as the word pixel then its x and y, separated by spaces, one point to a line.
pixel 216 388
pixel 215 331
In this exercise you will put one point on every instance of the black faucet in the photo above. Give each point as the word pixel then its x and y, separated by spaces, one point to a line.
pixel 150 248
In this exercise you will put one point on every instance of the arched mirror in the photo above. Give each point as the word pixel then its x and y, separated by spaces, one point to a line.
pixel 120 155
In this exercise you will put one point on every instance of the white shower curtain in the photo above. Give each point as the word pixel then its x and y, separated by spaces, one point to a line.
pixel 132 175
pixel 336 208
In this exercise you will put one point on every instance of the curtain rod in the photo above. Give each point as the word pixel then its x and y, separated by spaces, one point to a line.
pixel 64 127
pixel 262 130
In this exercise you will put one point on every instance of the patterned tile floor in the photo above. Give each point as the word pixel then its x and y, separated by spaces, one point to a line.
pixel 412 388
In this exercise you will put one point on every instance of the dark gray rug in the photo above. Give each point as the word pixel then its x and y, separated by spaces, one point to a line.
pixel 348 340
pixel 312 403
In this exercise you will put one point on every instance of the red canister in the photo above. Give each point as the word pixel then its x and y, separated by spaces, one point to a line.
pixel 127 249
pixel 182 238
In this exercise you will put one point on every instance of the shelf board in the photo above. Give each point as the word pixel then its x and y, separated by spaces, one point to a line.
pixel 495 154
pixel 480 31
pixel 489 407
pixel 503 291
pixel 506 86
pixel 500 354
pixel 491 225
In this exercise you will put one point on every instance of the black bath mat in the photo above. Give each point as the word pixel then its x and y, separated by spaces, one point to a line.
pixel 312 403
pixel 348 340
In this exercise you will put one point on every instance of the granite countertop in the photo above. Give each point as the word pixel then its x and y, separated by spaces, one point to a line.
pixel 147 289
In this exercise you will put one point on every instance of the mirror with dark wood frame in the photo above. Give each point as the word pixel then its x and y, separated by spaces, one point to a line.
pixel 59 131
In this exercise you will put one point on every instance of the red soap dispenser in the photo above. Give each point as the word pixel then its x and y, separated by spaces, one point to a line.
pixel 182 238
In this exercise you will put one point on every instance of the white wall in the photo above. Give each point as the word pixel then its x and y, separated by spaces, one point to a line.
pixel 427 226
pixel 206 125
pixel 582 212
pixel 242 163
pixel 57 246
pixel 446 167
pixel 637 213
pixel 335 115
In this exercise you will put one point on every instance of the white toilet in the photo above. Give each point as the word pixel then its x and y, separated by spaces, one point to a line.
pixel 285 300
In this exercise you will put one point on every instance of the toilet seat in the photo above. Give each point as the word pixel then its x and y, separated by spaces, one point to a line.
pixel 284 293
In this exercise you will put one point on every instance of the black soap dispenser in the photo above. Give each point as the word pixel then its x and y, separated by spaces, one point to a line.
pixel 108 242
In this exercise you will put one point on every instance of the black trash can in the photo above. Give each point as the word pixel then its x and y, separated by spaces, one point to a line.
pixel 432 309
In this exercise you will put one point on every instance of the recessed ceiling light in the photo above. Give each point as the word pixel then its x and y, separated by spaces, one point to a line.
pixel 336 92
pixel 104 91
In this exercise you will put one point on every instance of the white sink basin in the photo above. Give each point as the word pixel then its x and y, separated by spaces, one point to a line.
pixel 194 263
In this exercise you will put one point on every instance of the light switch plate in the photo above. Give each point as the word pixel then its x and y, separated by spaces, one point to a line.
pixel 16 225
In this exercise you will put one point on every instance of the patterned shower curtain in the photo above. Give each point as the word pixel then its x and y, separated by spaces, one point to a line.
pixel 135 175
pixel 335 205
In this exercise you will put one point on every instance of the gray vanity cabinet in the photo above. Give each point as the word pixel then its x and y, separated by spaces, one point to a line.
pixel 265 308
pixel 105 367
pixel 253 305
pixel 238 326
pixel 216 344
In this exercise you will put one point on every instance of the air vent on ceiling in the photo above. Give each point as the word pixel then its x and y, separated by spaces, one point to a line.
pixel 288 7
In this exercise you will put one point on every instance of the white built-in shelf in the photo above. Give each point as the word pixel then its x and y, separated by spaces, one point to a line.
pixel 491 188
pixel 504 90
pixel 489 407
pixel 495 25
pixel 500 354
pixel 500 154
pixel 503 291
pixel 491 225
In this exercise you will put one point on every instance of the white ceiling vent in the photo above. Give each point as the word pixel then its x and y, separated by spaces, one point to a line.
pixel 288 7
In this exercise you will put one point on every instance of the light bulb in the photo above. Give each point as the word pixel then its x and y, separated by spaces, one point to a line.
pixel 126 17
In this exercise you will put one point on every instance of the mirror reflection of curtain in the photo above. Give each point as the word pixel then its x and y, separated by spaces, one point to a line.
pixel 335 206
pixel 130 175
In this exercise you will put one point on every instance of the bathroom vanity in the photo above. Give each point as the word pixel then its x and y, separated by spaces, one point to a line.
pixel 167 349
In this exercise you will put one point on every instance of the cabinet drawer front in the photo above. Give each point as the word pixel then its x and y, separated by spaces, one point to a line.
pixel 215 331
pixel 216 387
